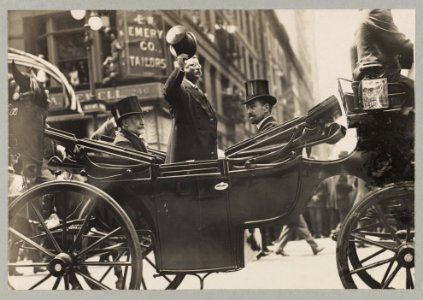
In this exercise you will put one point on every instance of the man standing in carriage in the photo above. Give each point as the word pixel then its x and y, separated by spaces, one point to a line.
pixel 194 132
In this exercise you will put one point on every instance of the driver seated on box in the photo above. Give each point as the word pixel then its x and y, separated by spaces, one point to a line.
pixel 130 122
pixel 378 42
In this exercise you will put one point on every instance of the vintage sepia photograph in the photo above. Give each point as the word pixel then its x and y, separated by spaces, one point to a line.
pixel 211 149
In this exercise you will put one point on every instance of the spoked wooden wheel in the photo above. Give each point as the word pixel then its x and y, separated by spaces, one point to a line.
pixel 99 249
pixel 375 247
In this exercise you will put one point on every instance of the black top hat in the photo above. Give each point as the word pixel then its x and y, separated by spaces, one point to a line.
pixel 258 89
pixel 126 107
pixel 181 41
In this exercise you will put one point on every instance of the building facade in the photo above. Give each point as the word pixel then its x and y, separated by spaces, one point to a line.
pixel 233 46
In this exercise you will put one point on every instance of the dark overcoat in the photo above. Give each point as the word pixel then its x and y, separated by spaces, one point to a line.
pixel 194 130
pixel 129 140
pixel 377 40
pixel 268 123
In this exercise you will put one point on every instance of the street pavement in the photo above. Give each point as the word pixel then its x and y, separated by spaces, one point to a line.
pixel 300 270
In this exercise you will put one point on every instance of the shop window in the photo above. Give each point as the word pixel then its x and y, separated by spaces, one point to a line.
pixel 72 58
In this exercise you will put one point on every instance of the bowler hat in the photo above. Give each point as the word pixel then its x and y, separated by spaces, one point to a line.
pixel 181 41
pixel 126 107
pixel 258 89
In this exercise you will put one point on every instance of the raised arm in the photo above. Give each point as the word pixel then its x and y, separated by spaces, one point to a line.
pixel 172 88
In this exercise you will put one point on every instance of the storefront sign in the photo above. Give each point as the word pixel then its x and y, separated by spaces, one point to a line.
pixel 145 47
pixel 93 106
pixel 146 91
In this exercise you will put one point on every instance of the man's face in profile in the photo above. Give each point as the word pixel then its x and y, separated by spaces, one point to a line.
pixel 257 110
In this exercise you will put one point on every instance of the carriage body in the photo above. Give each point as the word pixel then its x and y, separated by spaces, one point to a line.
pixel 197 211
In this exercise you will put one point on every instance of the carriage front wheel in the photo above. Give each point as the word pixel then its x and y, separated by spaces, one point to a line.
pixel 54 246
pixel 375 247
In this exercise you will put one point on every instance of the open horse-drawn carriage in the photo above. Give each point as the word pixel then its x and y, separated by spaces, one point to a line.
pixel 135 222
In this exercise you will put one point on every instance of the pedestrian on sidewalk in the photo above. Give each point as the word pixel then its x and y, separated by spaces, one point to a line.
pixel 300 227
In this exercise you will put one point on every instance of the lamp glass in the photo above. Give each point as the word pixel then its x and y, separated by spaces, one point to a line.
pixel 78 14
pixel 231 29
pixel 95 23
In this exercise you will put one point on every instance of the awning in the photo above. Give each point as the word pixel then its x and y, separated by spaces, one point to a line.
pixel 29 60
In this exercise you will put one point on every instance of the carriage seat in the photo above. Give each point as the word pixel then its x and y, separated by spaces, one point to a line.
pixel 287 140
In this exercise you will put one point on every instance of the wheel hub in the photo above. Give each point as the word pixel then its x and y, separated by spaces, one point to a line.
pixel 405 256
pixel 60 264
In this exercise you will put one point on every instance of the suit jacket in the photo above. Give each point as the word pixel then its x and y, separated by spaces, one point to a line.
pixel 129 140
pixel 269 123
pixel 194 131
pixel 377 40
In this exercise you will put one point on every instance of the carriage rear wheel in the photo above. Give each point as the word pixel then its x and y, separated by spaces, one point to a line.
pixel 375 247
pixel 55 247
pixel 150 278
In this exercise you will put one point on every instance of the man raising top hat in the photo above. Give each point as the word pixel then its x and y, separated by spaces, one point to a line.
pixel 129 119
pixel 194 132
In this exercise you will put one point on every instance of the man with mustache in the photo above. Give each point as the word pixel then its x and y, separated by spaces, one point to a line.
pixel 129 119
pixel 259 104
pixel 194 132
pixel 259 112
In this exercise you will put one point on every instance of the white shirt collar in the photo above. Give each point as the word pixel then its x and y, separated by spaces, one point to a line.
pixel 262 121
pixel 190 83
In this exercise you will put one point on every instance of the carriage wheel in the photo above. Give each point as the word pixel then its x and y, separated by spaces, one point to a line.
pixel 150 278
pixel 72 252
pixel 375 247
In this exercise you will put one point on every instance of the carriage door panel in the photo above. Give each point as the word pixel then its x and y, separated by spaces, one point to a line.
pixel 193 225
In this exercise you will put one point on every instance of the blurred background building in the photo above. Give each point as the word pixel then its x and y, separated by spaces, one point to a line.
pixel 125 53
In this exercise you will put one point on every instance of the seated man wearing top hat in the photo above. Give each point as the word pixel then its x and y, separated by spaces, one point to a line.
pixel 259 105
pixel 194 131
pixel 129 119
pixel 259 108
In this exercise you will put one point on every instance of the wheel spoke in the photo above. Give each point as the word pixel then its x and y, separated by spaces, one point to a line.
pixel 150 262
pixel 387 271
pixel 110 268
pixel 371 266
pixel 386 224
pixel 144 286
pixel 371 242
pixel 40 282
pixel 391 277
pixel 31 242
pixel 66 278
pixel 103 264
pixel 409 282
pixel 56 284
pixel 372 255
pixel 107 236
pixel 125 273
pixel 48 232
pixel 107 250
pixel 93 281
pixel 83 227
pixel 64 222
pixel 408 235
pixel 361 228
